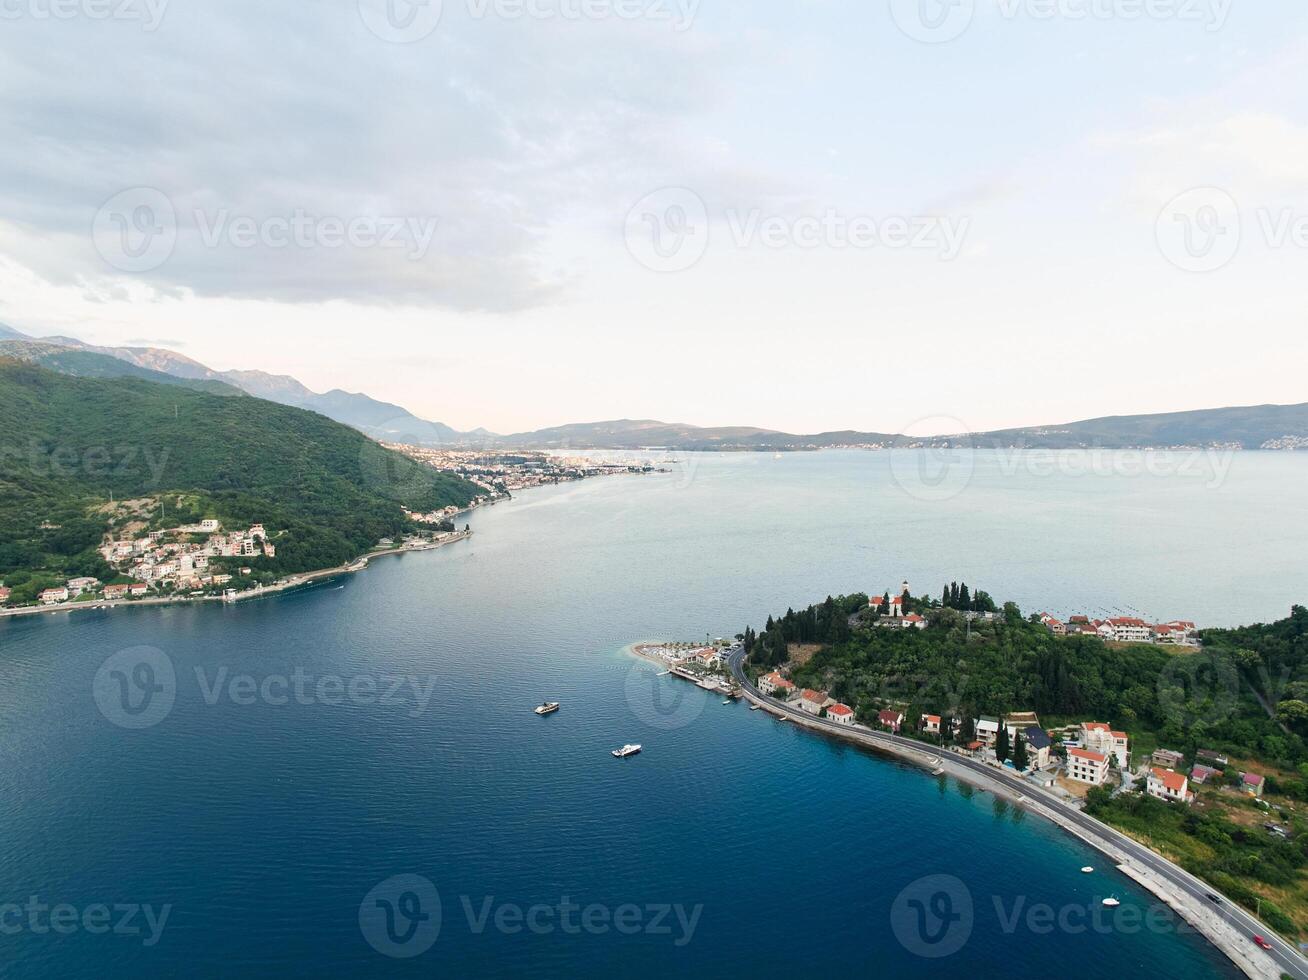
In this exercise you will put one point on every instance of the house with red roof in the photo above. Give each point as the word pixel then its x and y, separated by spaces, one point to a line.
pixel 841 714
pixel 1253 784
pixel 1201 774
pixel 890 719
pixel 775 684
pixel 115 591
pixel 1086 766
pixel 812 701
pixel 5 594
pixel 931 724
pixel 1099 737
pixel 913 622
pixel 1168 785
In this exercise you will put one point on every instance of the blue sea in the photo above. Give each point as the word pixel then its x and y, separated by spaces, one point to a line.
pixel 350 780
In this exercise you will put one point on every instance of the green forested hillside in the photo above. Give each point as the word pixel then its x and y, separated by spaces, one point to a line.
pixel 1185 699
pixel 69 444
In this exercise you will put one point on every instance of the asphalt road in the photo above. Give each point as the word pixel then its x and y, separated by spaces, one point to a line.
pixel 1286 956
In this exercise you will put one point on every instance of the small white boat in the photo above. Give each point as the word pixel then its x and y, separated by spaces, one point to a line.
pixel 727 701
pixel 1111 902
pixel 1087 870
pixel 755 707
pixel 626 750
pixel 548 708
pixel 664 673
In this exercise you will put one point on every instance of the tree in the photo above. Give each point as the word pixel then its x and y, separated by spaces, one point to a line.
pixel 944 599
pixel 1001 743
pixel 964 597
pixel 1019 753
pixel 968 731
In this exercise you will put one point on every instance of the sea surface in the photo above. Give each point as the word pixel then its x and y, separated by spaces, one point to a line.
pixel 278 830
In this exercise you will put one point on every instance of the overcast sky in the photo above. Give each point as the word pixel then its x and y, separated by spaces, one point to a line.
pixel 800 214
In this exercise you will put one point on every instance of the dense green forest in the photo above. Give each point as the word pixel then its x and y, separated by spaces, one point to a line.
pixel 1189 699
pixel 71 444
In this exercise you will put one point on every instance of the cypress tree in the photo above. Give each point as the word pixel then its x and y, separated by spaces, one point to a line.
pixel 1001 743
pixel 1019 753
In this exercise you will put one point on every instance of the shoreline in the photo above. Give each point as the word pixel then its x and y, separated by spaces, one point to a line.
pixel 1169 883
pixel 296 581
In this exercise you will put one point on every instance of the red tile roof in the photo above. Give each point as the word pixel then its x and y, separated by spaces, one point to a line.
pixel 840 710
pixel 1174 781
pixel 1087 754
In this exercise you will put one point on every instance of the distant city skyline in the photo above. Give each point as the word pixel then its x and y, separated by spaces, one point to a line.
pixel 798 216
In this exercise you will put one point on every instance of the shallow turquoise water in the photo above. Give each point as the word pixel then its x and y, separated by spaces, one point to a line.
pixel 265 825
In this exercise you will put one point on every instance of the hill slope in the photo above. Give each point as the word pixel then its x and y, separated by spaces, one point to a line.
pixel 89 364
pixel 333 491
pixel 378 419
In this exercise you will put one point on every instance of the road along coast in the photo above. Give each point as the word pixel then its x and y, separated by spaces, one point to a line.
pixel 1227 926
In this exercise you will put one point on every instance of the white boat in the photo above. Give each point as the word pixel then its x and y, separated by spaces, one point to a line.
pixel 727 701
pixel 625 751
pixel 1087 870
pixel 548 708
pixel 1111 902
pixel 755 707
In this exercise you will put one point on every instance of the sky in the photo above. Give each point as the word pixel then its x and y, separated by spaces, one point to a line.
pixel 912 216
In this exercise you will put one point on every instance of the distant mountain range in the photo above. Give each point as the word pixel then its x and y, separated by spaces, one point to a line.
pixel 1253 427
pixel 381 420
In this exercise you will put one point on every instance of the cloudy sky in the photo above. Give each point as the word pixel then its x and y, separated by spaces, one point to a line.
pixel 803 214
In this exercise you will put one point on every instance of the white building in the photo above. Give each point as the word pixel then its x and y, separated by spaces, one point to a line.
pixel 50 596
pixel 987 729
pixel 812 701
pixel 1168 785
pixel 1086 766
pixel 1098 737
pixel 931 724
pixel 773 683
pixel 841 714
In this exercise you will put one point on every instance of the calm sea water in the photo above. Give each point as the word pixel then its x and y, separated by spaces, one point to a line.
pixel 264 826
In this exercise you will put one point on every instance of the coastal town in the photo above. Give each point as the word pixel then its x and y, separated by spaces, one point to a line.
pixel 703 664
pixel 503 473
pixel 205 561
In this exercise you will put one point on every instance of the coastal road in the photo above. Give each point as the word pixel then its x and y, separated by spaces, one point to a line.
pixel 1286 956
